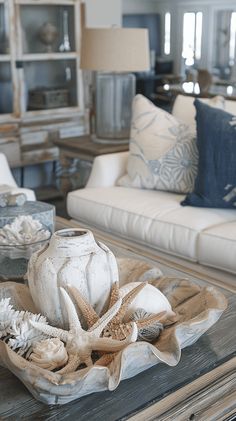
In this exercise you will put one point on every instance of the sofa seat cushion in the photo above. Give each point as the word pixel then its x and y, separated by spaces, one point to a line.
pixel 217 247
pixel 149 217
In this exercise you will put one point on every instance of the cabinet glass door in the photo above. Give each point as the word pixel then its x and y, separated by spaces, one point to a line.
pixel 50 84
pixel 4 29
pixel 6 90
pixel 6 85
pixel 47 28
pixel 48 55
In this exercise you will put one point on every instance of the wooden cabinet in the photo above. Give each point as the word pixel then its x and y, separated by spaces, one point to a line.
pixel 40 80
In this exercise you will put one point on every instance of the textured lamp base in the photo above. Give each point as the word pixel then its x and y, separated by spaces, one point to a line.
pixel 114 96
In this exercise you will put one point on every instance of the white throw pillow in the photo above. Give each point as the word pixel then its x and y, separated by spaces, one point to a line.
pixel 184 109
pixel 163 152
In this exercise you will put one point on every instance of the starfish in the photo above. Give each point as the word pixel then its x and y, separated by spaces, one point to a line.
pixel 116 328
pixel 81 343
pixel 90 315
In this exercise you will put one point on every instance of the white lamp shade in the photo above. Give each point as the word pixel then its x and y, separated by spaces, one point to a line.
pixel 115 49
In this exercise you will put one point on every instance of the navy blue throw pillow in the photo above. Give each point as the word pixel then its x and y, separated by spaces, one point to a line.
pixel 215 184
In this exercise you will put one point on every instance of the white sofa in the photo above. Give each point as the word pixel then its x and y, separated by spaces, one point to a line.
pixel 156 218
pixel 8 183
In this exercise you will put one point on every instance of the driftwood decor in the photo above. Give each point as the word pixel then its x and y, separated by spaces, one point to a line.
pixel 196 309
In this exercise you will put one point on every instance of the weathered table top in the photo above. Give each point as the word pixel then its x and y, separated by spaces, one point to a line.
pixel 204 379
pixel 84 148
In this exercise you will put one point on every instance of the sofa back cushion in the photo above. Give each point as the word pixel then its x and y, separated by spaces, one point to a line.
pixel 163 152
pixel 184 109
pixel 215 184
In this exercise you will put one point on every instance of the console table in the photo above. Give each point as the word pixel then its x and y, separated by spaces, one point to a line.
pixel 84 149
pixel 192 89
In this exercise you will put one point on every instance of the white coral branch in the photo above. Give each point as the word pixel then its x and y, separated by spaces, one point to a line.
pixel 23 230
pixel 7 316
pixel 15 326
pixel 24 334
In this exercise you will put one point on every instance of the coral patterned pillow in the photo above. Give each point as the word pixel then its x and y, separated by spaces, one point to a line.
pixel 163 152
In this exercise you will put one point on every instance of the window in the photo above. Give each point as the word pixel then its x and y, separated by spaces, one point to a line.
pixel 167 33
pixel 232 42
pixel 192 37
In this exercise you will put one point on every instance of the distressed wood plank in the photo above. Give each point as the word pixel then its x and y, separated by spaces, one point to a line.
pixel 211 397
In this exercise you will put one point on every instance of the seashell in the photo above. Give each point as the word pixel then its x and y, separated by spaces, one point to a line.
pixel 149 299
pixel 49 354
pixel 150 332
pixel 23 230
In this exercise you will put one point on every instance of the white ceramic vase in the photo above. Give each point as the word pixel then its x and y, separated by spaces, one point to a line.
pixel 72 257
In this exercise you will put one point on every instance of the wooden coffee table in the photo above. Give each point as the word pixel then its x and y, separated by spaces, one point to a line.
pixel 201 387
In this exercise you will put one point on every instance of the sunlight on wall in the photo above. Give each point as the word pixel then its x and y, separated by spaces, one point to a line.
pixel 167 33
pixel 192 37
pixel 232 42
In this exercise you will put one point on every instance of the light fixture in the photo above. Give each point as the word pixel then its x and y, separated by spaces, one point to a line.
pixel 113 53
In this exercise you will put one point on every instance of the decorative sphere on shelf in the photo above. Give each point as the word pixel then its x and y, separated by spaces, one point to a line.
pixel 48 34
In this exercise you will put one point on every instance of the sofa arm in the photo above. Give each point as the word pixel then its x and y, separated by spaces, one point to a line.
pixel 107 169
pixel 6 176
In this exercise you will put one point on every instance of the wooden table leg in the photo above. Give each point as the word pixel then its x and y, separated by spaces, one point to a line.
pixel 65 184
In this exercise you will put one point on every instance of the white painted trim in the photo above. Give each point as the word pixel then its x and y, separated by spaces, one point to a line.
pixel 47 57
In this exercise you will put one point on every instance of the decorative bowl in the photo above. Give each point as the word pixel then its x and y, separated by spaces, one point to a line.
pixel 14 259
pixel 197 307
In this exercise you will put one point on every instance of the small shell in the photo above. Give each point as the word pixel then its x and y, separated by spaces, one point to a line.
pixel 149 299
pixel 49 354
pixel 148 333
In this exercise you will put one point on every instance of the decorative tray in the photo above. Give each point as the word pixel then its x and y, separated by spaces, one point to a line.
pixel 197 309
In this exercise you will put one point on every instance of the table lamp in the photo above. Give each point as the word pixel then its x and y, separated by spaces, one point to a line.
pixel 113 53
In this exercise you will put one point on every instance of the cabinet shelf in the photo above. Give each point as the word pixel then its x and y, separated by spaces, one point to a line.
pixel 48 56
pixel 5 58
pixel 53 112
pixel 46 2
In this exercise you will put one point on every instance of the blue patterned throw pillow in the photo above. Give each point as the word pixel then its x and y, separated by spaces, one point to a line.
pixel 215 184
pixel 163 152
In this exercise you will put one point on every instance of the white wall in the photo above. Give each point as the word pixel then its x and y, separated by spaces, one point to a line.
pixel 103 13
pixel 139 6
